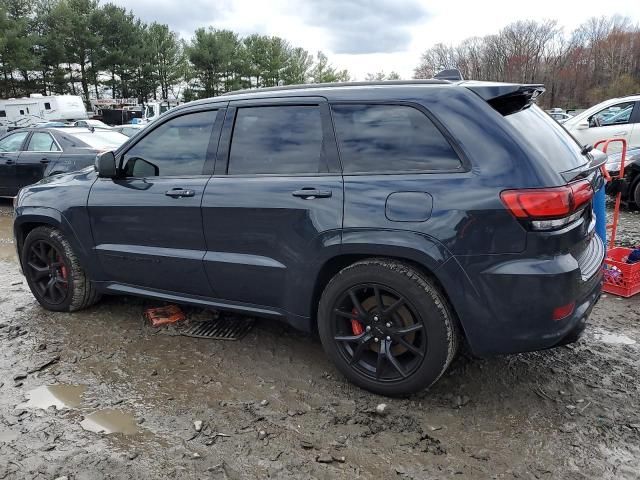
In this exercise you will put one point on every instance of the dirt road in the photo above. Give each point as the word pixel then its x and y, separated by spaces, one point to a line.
pixel 272 406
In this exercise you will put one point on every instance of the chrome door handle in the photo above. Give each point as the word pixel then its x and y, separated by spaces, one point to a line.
pixel 179 193
pixel 310 193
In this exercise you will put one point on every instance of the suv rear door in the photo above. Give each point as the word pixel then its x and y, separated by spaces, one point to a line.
pixel 146 224
pixel 274 202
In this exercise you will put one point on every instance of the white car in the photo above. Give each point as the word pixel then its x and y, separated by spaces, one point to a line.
pixel 92 124
pixel 560 117
pixel 614 118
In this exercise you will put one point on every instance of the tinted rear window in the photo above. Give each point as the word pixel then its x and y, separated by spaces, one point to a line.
pixel 385 138
pixel 553 143
pixel 277 140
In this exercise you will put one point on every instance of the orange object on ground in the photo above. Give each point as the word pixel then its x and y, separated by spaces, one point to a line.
pixel 164 315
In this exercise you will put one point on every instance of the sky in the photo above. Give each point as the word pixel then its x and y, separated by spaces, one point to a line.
pixel 371 35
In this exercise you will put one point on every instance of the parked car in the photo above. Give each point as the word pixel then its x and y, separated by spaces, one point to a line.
pixel 29 154
pixel 614 118
pixel 129 130
pixel 90 123
pixel 560 117
pixel 631 194
pixel 396 219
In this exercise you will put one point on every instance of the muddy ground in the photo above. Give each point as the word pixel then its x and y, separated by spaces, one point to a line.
pixel 272 406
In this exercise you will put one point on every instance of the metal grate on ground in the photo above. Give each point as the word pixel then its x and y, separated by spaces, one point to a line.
pixel 221 328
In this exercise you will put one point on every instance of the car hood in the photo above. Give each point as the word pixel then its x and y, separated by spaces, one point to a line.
pixel 86 174
pixel 60 192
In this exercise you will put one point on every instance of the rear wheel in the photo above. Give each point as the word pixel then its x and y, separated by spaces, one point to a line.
pixel 53 272
pixel 387 327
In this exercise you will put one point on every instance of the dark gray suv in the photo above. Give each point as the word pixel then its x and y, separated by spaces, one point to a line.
pixel 396 219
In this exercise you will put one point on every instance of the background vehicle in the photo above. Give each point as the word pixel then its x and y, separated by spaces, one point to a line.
pixel 376 213
pixel 28 155
pixel 129 130
pixel 631 174
pixel 614 118
pixel 90 123
pixel 27 112
pixel 560 117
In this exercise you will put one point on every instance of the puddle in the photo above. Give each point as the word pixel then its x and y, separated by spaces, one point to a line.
pixel 110 421
pixel 7 436
pixel 59 396
pixel 7 248
pixel 615 339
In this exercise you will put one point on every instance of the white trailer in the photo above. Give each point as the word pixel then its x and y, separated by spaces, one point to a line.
pixel 35 109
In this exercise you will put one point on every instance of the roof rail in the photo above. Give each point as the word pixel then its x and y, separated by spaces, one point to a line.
pixel 431 81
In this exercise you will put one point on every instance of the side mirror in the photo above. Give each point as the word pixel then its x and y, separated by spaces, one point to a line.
pixel 106 165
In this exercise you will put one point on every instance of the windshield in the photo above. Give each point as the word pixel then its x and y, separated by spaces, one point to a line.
pixel 554 144
pixel 101 139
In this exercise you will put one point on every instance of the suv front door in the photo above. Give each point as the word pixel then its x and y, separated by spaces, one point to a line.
pixel 274 204
pixel 147 224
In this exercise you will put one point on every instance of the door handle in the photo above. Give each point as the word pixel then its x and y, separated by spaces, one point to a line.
pixel 618 134
pixel 311 193
pixel 44 160
pixel 9 162
pixel 179 193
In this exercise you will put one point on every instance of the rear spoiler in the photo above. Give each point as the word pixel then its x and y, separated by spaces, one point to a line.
pixel 506 98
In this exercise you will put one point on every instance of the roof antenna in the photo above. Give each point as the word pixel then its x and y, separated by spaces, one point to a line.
pixel 452 74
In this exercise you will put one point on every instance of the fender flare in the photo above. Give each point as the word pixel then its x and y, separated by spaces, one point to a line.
pixel 50 217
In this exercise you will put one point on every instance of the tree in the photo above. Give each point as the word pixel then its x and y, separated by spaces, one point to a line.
pixel 17 46
pixel 167 56
pixel 381 76
pixel 75 21
pixel 214 54
pixel 323 72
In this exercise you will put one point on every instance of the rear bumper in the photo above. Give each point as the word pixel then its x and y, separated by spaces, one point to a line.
pixel 507 307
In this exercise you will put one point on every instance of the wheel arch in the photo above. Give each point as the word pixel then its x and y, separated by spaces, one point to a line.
pixel 29 218
pixel 423 253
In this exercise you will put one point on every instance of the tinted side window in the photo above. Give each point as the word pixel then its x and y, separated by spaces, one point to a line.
pixel 375 138
pixel 13 142
pixel 42 142
pixel 177 147
pixel 279 140
pixel 619 114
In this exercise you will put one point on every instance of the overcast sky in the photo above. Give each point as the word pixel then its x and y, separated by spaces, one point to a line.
pixel 370 35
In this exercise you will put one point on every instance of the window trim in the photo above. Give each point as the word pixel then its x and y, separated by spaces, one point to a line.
pixel 212 147
pixel 329 146
pixel 21 147
pixel 465 164
pixel 26 150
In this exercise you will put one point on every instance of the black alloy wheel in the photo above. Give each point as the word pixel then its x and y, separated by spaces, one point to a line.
pixel 48 272
pixel 378 332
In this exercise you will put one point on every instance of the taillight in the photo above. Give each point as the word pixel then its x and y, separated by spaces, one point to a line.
pixel 549 208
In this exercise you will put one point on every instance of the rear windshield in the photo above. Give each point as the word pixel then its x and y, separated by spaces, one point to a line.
pixel 554 144
pixel 101 139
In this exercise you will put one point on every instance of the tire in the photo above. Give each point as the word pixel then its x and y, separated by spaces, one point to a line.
pixel 71 288
pixel 633 196
pixel 374 283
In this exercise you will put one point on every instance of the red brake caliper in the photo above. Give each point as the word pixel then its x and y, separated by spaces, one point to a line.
pixel 63 269
pixel 356 326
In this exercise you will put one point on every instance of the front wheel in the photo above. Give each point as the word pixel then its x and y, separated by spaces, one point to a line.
pixel 387 327
pixel 53 272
